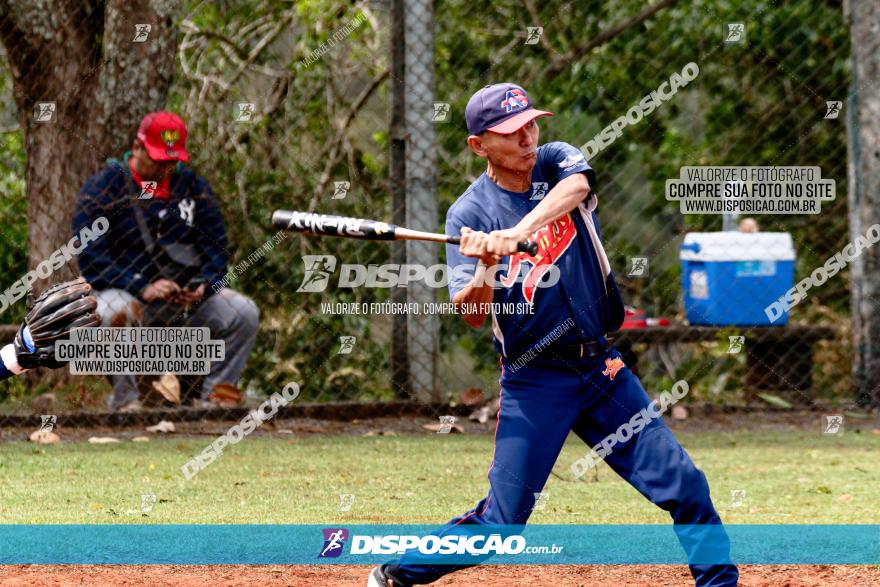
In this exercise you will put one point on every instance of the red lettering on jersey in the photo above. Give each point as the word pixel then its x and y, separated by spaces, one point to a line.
pixel 612 366
pixel 553 240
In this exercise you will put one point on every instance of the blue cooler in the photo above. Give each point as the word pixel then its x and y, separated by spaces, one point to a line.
pixel 728 278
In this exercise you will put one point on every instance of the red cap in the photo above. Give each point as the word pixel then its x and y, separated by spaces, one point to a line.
pixel 164 136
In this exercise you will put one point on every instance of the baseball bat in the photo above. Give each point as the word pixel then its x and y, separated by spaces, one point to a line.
pixel 365 229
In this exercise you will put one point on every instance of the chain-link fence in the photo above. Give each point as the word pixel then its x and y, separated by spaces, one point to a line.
pixel 294 108
pixel 766 76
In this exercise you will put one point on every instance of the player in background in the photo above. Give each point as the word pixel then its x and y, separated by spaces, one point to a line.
pixel 56 312
pixel 573 380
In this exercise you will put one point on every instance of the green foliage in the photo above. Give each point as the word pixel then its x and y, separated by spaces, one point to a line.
pixel 13 219
pixel 434 476
pixel 760 103
pixel 757 103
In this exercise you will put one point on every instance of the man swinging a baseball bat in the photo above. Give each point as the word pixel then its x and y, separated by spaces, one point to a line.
pixel 560 373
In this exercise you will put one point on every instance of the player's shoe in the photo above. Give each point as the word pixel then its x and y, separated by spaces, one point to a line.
pixel 379 579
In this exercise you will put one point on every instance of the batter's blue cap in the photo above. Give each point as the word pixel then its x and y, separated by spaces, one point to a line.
pixel 502 108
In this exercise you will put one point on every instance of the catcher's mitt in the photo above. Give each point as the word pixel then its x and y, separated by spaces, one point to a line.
pixel 56 312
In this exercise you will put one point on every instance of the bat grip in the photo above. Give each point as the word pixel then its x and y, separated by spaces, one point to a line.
pixel 530 247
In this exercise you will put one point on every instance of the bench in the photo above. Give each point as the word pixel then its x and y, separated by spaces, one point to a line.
pixel 778 357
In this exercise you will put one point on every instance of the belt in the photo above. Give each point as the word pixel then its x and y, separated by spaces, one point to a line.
pixel 579 351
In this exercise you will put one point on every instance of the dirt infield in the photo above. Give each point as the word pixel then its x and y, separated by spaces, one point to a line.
pixel 485 576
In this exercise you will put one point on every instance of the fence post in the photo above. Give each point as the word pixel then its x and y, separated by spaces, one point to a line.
pixel 421 204
pixel 863 131
pixel 399 361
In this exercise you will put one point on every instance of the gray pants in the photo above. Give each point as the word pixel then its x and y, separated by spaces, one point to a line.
pixel 230 315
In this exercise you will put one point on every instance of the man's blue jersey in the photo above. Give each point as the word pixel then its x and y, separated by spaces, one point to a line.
pixel 584 303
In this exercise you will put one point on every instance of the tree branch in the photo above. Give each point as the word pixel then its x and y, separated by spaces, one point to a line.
pixel 609 34
pixel 555 56
pixel 334 148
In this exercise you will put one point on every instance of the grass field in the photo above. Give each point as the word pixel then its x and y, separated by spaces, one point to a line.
pixel 789 476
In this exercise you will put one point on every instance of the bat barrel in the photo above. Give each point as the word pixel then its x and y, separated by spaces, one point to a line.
pixel 332 225
pixel 281 218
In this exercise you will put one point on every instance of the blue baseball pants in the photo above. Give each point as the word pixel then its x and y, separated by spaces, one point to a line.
pixel 540 404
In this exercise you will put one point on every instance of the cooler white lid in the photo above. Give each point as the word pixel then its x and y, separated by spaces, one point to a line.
pixel 737 246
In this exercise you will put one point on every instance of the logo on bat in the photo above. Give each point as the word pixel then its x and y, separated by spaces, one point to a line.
pixel 341 225
pixel 513 100
pixel 553 240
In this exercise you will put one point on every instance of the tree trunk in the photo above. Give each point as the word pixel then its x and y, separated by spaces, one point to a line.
pixel 82 56
pixel 863 124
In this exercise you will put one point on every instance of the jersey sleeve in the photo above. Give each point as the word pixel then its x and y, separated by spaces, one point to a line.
pixel 5 372
pixel 560 160
pixel 461 268
pixel 9 366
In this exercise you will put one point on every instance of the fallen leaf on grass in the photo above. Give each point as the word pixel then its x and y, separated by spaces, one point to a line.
pixel 169 387
pixel 141 439
pixel 775 400
pixel 308 428
pixel 480 415
pixel 102 440
pixel 44 437
pixel 380 433
pixel 163 426
pixel 432 427
pixel 472 396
